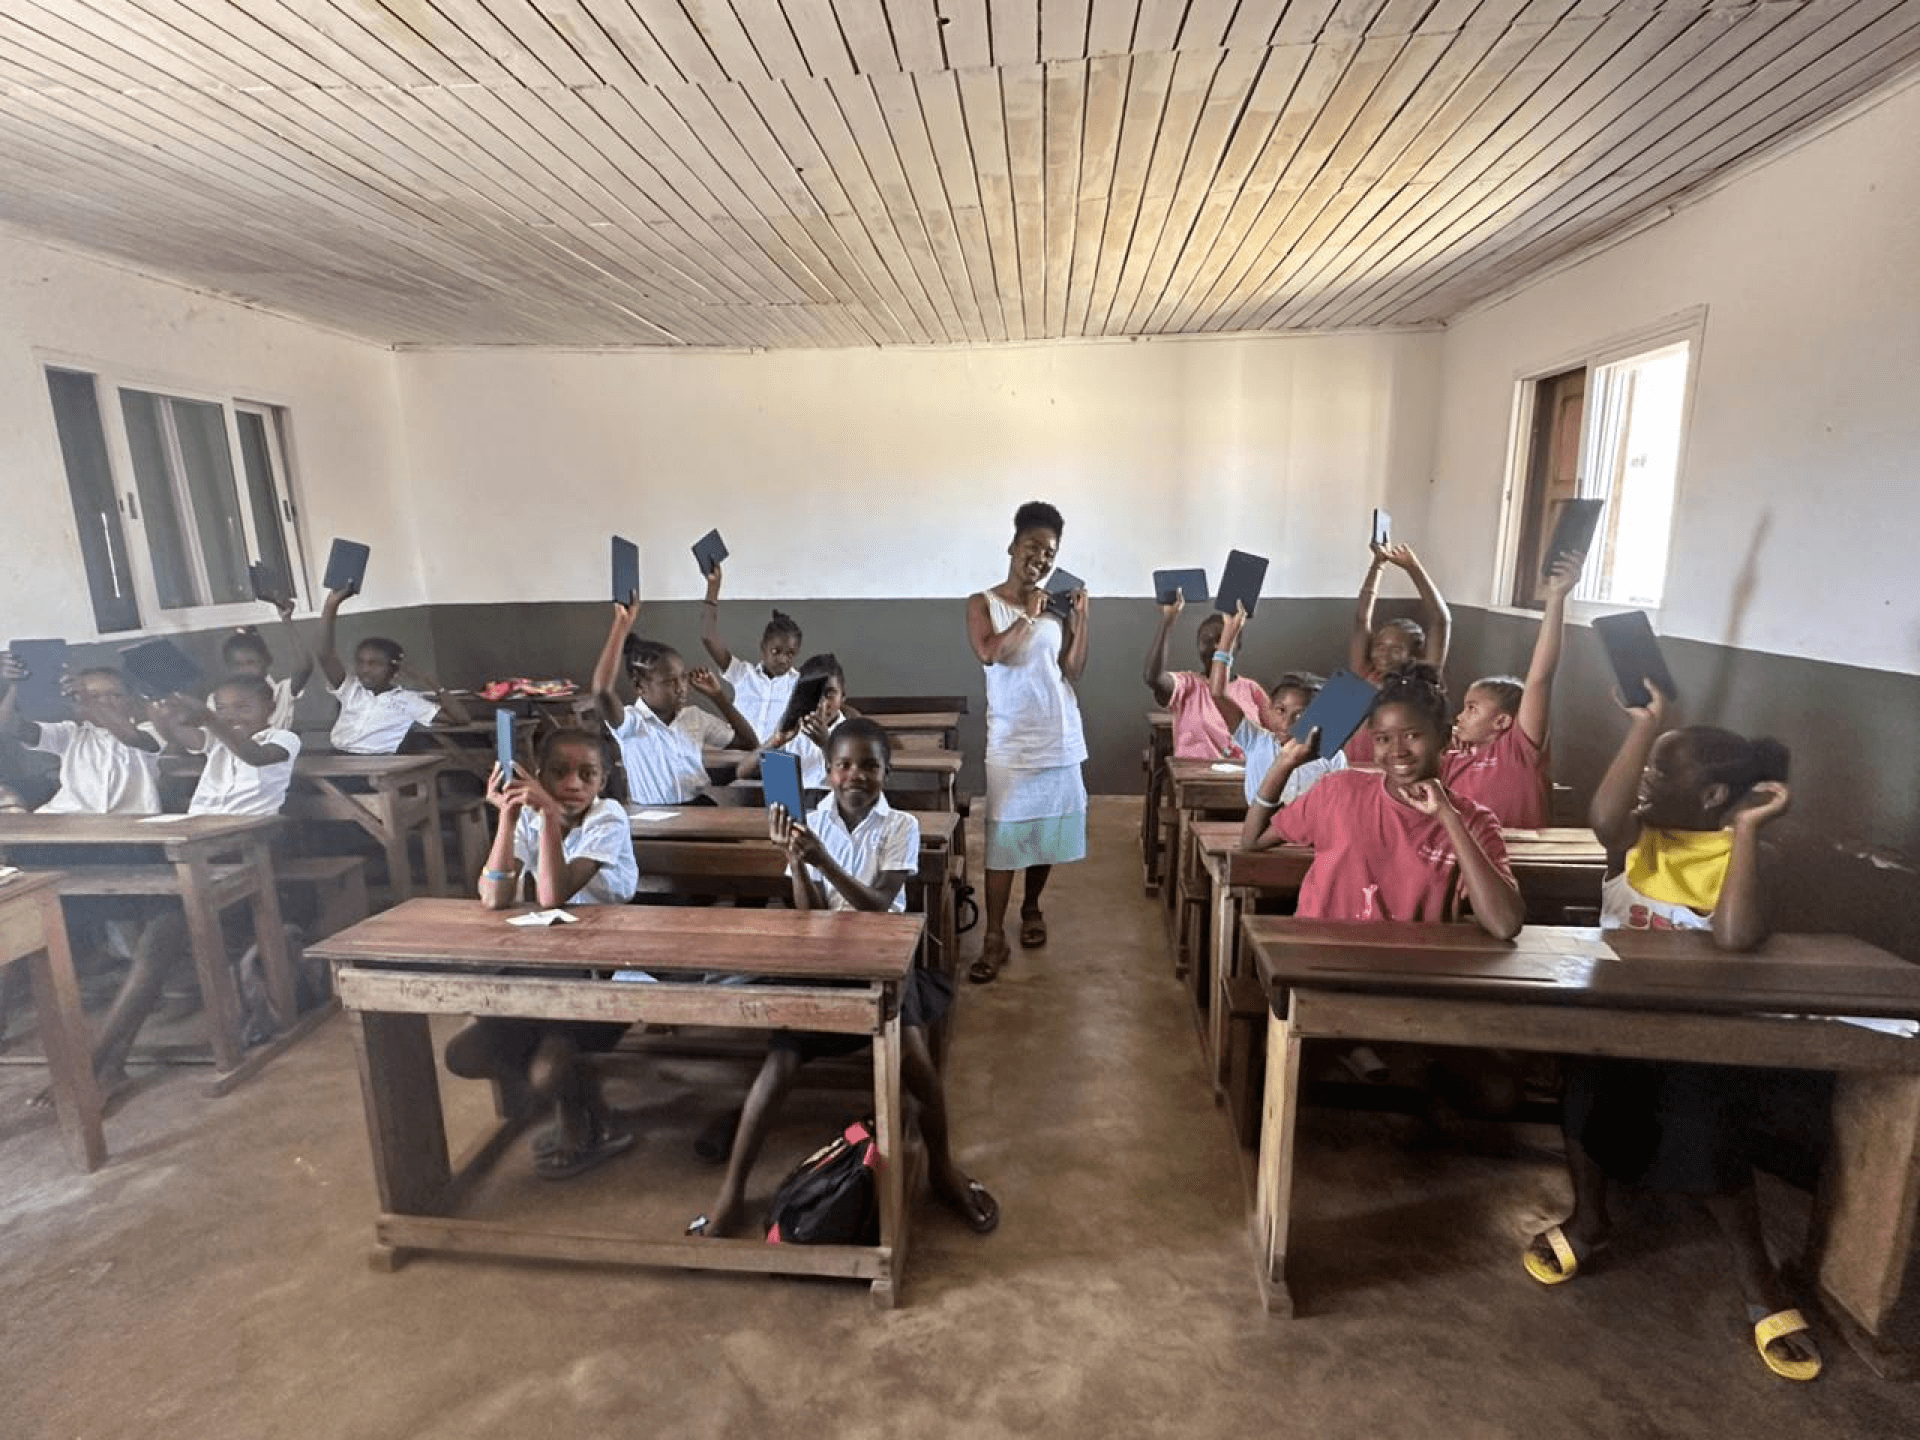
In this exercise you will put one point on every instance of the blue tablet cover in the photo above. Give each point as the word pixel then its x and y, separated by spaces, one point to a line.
pixel 780 778
pixel 1382 527
pixel 162 668
pixel 1240 582
pixel 1060 587
pixel 626 571
pixel 346 566
pixel 1573 528
pixel 708 551
pixel 267 584
pixel 1192 585
pixel 503 741
pixel 1635 655
pixel 1339 709
pixel 37 697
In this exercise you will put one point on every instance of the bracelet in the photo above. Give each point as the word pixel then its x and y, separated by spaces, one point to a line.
pixel 1266 804
pixel 499 874
pixel 1223 657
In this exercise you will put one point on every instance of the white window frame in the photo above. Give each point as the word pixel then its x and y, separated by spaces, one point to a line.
pixel 1689 326
pixel 109 379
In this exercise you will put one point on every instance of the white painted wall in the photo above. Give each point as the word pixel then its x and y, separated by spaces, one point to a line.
pixel 846 473
pixel 348 447
pixel 1806 420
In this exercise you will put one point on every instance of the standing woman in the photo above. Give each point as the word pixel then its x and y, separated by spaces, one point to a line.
pixel 1036 800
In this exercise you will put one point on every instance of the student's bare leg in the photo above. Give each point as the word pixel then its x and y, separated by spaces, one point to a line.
pixel 161 949
pixel 769 1088
pixel 920 1077
pixel 1738 1216
pixel 561 1074
pixel 1588 1227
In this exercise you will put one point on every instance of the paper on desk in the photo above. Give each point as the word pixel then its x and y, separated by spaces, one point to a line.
pixel 1227 767
pixel 652 815
pixel 160 819
pixel 545 917
pixel 637 976
pixel 7 872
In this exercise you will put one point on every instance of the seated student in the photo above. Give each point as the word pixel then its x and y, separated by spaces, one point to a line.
pixel 557 830
pixel 375 712
pixel 1681 816
pixel 245 652
pixel 805 735
pixel 663 740
pixel 760 690
pixel 855 852
pixel 1259 732
pixel 1499 752
pixel 1375 654
pixel 1200 729
pixel 109 759
pixel 1391 843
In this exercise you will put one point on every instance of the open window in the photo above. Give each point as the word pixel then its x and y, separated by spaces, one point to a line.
pixel 1611 428
pixel 174 497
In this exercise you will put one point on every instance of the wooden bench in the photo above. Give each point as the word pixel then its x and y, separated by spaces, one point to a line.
pixel 1246 1006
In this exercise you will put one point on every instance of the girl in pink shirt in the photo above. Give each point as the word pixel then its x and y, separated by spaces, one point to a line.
pixel 1200 732
pixel 1391 844
pixel 1499 753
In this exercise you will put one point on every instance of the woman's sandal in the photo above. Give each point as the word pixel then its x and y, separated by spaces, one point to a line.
pixel 1768 1329
pixel 994 953
pixel 562 1163
pixel 1033 929
pixel 1568 1259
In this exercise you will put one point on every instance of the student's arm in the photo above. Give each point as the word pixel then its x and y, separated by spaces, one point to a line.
pixel 715 689
pixel 1073 661
pixel 1536 702
pixel 127 732
pixel 302 657
pixel 990 647
pixel 1437 618
pixel 787 833
pixel 557 879
pixel 325 654
pixel 1739 920
pixel 500 880
pixel 877 896
pixel 750 767
pixel 1493 894
pixel 10 724
pixel 606 670
pixel 450 704
pixel 1219 672
pixel 710 635
pixel 1155 673
pixel 1360 640
pixel 1611 813
pixel 1256 831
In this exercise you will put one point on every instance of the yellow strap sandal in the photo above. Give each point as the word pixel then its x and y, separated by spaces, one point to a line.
pixel 1777 1326
pixel 1563 1253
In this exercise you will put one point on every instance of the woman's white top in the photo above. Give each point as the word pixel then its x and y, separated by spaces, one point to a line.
pixel 1033 719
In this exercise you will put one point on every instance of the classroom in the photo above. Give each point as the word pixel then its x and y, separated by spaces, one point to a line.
pixel 1330 581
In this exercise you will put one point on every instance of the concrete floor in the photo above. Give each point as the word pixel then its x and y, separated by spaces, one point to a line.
pixel 211 1280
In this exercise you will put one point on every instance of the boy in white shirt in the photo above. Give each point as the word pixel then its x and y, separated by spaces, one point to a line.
pixel 375 712
pixel 855 852
pixel 760 689
pixel 558 831
pixel 245 652
pixel 663 740
pixel 109 761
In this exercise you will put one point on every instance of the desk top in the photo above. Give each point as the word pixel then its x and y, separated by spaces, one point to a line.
pixel 1619 969
pixel 35 829
pixel 924 762
pixel 780 944
pixel 916 719
pixel 749 822
pixel 1526 849
pixel 1160 719
pixel 27 882
pixel 327 764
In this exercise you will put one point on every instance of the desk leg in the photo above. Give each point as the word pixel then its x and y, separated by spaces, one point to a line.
pixel 891 1140
pixel 270 934
pixel 433 848
pixel 63 1035
pixel 1150 823
pixel 1273 1197
pixel 1220 969
pixel 209 947
pixel 1864 1217
pixel 400 1088
pixel 393 839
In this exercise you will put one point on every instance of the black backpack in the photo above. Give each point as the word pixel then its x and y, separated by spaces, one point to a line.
pixel 833 1196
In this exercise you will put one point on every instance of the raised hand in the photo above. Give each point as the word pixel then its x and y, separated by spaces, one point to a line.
pixel 1297 751
pixel 1081 603
pixel 1036 603
pixel 1654 710
pixel 1398 555
pixel 707 683
pixel 1773 797
pixel 814 726
pixel 1175 605
pixel 1235 623
pixel 1563 573
pixel 1429 797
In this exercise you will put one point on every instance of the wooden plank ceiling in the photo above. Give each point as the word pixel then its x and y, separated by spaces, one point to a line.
pixel 815 173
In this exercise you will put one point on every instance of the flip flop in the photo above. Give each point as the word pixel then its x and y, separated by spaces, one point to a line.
pixel 1033 929
pixel 993 954
pixel 1777 1326
pixel 565 1164
pixel 698 1226
pixel 975 1206
pixel 1563 1252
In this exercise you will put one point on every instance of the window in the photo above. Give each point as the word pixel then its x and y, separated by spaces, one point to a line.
pixel 175 502
pixel 1611 429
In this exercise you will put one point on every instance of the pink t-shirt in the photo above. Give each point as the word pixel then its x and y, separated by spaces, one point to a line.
pixel 1199 729
pixel 1508 775
pixel 1375 857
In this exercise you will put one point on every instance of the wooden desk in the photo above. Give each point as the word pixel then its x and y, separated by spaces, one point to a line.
pixel 911 729
pixel 1553 868
pixel 399 800
pixel 1200 792
pixel 1154 758
pixel 1657 995
pixel 214 861
pixel 469 746
pixel 443 957
pixel 32 929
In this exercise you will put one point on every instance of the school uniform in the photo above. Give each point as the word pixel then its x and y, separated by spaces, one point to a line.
pixel 230 786
pixel 1262 747
pixel 371 724
pixel 1199 729
pixel 99 775
pixel 1375 857
pixel 813 760
pixel 282 716
pixel 665 761
pixel 1507 774
pixel 602 834
pixel 761 697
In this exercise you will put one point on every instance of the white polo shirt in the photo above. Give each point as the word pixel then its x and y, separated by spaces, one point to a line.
pixel 761 697
pixel 888 839
pixel 1262 748
pixel 282 716
pixel 98 774
pixel 602 834
pixel 664 763
pixel 371 724
pixel 230 786
pixel 813 760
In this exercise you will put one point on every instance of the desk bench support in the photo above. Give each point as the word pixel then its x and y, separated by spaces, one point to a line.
pixel 33 930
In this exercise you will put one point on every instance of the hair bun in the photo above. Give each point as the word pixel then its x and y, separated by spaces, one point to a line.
pixel 1770 758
